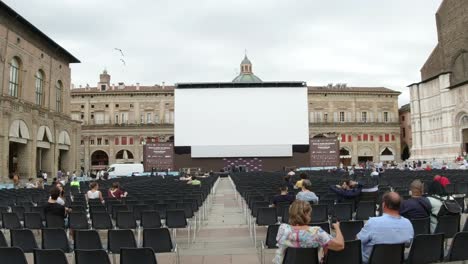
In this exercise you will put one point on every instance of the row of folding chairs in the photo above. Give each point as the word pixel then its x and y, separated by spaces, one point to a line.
pixel 158 239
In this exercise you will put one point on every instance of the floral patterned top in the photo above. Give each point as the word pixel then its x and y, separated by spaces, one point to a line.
pixel 289 236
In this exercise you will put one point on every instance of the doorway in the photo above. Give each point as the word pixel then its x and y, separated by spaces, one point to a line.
pixel 465 140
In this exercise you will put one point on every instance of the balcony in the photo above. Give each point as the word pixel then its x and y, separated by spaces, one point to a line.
pixel 360 124
pixel 109 124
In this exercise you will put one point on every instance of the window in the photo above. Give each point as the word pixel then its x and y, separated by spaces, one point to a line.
pixel 103 87
pixel 116 141
pixel 99 141
pixel 82 116
pixel 116 118
pixel 116 105
pixel 131 105
pixel 350 138
pixel 82 142
pixel 92 106
pixel 387 137
pixel 343 137
pixel 58 96
pixel 106 141
pixel 156 119
pixel 130 140
pixel 39 87
pixel 92 141
pixel 142 119
pixel 14 78
pixel 82 106
pixel 325 117
pixel 148 118
pixel 92 116
pixel 342 117
pixel 124 118
pixel 402 118
pixel 403 132
pixel 107 106
pixel 365 137
pixel 124 140
pixel 385 117
pixel 364 117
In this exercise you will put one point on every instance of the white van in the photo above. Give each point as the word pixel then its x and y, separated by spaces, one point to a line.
pixel 122 170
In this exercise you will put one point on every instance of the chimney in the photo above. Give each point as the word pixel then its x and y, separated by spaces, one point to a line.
pixel 163 85
pixel 81 86
pixel 138 86
pixel 87 87
pixel 121 85
pixel 113 86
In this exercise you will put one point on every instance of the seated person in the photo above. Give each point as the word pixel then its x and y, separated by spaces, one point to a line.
pixel 347 190
pixel 194 181
pixel 94 192
pixel 116 192
pixel 298 234
pixel 444 181
pixel 306 194
pixel 53 207
pixel 417 206
pixel 284 196
pixel 390 228
pixel 299 182
pixel 31 184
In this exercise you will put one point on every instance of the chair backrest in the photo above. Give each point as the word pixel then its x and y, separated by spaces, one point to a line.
pixel 12 255
pixel 55 238
pixel 285 216
pixel 387 254
pixel 448 224
pixel 54 221
pixel 187 207
pixel 139 208
pixel 33 221
pixel 319 213
pixel 78 220
pixel 465 228
pixel 150 219
pixel 421 226
pixel 301 256
pixel 126 220
pixel 101 220
pixel 48 256
pixel 176 218
pixel 270 240
pixel 365 210
pixel 117 239
pixel 266 216
pixel 98 256
pixel 11 221
pixel 343 211
pixel 158 239
pixel 87 239
pixel 458 250
pixel 118 208
pixel 137 255
pixel 19 211
pixel 40 210
pixel 350 229
pixel 324 225
pixel 3 242
pixel 426 248
pixel 350 255
pixel 24 239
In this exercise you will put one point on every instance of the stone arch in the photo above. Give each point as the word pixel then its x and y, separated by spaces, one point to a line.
pixel 19 131
pixel 100 158
pixel 124 154
pixel 44 134
pixel 365 151
pixel 459 67
pixel 387 151
pixel 345 151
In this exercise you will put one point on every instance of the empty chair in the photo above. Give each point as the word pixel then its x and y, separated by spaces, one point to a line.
pixel 12 255
pixel 343 211
pixel 24 239
pixel 458 250
pixel 426 249
pixel 265 216
pixel 78 220
pixel 49 256
pixel 158 239
pixel 19 211
pixel 270 240
pixel 87 239
pixel 449 225
pixel 137 255
pixel 285 216
pixel 55 238
pixel 301 256
pixel 139 208
pixel 421 226
pixel 54 221
pixel 126 220
pixel 150 219
pixel 161 209
pixel 98 256
pixel 118 208
pixel 365 210
pixel 387 254
pixel 176 219
pixel 350 229
pixel 101 220
pixel 98 208
pixel 319 213
pixel 117 239
pixel 11 221
pixel 33 221
pixel 350 255
pixel 40 210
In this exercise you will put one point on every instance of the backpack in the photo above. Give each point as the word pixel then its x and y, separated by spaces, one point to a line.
pixel 448 207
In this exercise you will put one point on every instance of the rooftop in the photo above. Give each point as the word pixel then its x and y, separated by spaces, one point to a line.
pixel 347 89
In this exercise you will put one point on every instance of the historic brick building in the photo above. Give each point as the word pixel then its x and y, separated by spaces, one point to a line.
pixel 439 103
pixel 117 120
pixel 405 126
pixel 36 131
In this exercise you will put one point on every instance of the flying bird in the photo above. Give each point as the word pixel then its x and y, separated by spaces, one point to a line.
pixel 123 62
pixel 121 52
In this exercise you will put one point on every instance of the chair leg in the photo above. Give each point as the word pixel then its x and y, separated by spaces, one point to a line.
pixel 255 235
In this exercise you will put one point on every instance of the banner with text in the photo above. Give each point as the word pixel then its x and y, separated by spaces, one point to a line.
pixel 324 152
pixel 159 156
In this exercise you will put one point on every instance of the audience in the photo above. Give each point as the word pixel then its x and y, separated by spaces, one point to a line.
pixel 116 192
pixel 284 196
pixel 347 190
pixel 417 206
pixel 53 207
pixel 30 184
pixel 444 181
pixel 306 194
pixel 298 234
pixel 436 195
pixel 303 177
pixel 390 228
pixel 94 192
pixel 61 198
pixel 194 181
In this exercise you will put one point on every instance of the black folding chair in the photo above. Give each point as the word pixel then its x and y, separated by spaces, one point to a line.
pixel 421 226
pixel 55 221
pixel 78 221
pixel 12 255
pixel 126 220
pixel 98 256
pixel 342 211
pixel 117 239
pixel 175 218
pixel 427 248
pixel 150 219
pixel 55 238
pixel 24 239
pixel 350 229
pixel 159 240
pixel 49 256
pixel 270 240
pixel 350 255
pixel 101 220
pixel 365 210
pixel 301 256
pixel 449 225
pixel 458 250
pixel 11 221
pixel 137 255
pixel 33 221
pixel 265 216
pixel 87 240
pixel 387 254
pixel 319 213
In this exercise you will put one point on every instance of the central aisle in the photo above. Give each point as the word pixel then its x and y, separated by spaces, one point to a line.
pixel 224 237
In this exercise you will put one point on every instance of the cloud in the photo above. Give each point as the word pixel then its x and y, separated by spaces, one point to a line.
pixel 359 42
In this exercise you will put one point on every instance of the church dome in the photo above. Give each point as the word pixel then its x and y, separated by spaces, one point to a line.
pixel 246 75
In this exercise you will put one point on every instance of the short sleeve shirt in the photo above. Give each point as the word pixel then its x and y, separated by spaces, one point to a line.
pixel 289 236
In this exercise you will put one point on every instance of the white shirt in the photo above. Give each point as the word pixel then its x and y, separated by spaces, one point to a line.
pixel 93 195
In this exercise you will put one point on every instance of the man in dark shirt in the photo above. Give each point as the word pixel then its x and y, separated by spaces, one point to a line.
pixel 417 206
pixel 52 207
pixel 283 197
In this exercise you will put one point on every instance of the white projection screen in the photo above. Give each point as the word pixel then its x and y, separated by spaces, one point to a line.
pixel 241 122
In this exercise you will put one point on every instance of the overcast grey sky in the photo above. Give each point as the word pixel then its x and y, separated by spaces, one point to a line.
pixel 358 42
